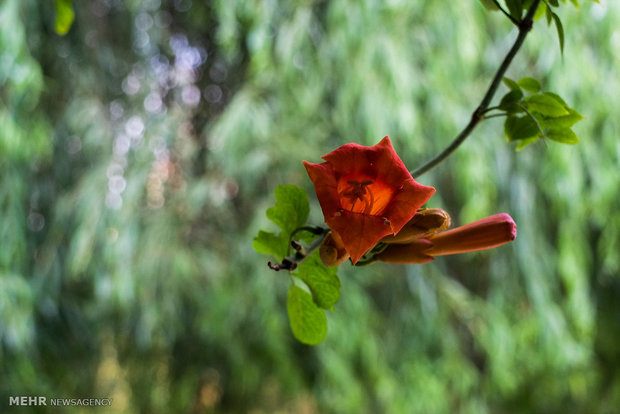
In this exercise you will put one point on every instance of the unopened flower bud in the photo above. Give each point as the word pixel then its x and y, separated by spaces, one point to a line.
pixel 332 251
pixel 483 234
pixel 425 222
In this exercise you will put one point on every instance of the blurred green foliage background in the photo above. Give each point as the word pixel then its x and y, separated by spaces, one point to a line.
pixel 139 152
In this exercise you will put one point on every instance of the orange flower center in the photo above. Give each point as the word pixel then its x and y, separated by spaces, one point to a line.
pixel 364 196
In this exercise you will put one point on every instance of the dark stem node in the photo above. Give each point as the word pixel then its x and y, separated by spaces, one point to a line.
pixel 285 265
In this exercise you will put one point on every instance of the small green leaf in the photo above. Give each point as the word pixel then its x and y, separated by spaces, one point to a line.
pixel 517 128
pixel 268 243
pixel 511 98
pixel 510 102
pixel 515 7
pixel 308 322
pixel 560 29
pixel 290 212
pixel 305 236
pixel 559 99
pixel 549 15
pixel 561 122
pixel 322 280
pixel 554 3
pixel 489 5
pixel 570 118
pixel 64 16
pixel 525 142
pixel 529 84
pixel 540 11
pixel 545 104
pixel 291 209
pixel 565 136
pixel 512 85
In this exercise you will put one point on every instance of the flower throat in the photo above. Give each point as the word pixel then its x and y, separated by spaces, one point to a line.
pixel 364 196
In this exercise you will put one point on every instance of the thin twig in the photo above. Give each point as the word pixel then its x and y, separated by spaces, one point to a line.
pixel 495 115
pixel 512 19
pixel 493 108
pixel 524 27
pixel 291 262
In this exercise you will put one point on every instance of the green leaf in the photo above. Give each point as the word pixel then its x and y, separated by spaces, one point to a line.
pixel 322 280
pixel 565 136
pixel 549 15
pixel 291 209
pixel 529 84
pixel 489 5
pixel 517 128
pixel 559 99
pixel 64 16
pixel 305 236
pixel 525 142
pixel 308 322
pixel 554 3
pixel 290 212
pixel 540 11
pixel 510 101
pixel 545 104
pixel 570 118
pixel 560 29
pixel 515 7
pixel 561 122
pixel 511 97
pixel 512 85
pixel 268 243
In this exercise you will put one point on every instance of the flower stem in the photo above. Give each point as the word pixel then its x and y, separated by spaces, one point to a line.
pixel 525 26
pixel 301 254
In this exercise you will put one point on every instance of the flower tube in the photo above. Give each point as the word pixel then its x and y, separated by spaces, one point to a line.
pixel 487 233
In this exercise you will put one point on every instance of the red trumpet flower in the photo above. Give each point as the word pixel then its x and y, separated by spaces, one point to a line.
pixel 366 193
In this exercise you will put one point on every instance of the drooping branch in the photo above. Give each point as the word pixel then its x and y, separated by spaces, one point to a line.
pixel 525 26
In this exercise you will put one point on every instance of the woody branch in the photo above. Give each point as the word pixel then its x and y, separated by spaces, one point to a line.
pixel 525 26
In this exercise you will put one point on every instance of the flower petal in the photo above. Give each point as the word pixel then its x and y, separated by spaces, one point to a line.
pixel 359 232
pixel 326 187
pixel 379 160
pixel 353 159
pixel 392 168
pixel 406 203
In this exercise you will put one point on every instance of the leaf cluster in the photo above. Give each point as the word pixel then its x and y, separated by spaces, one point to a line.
pixel 514 11
pixel 290 212
pixel 516 7
pixel 532 114
pixel 314 287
